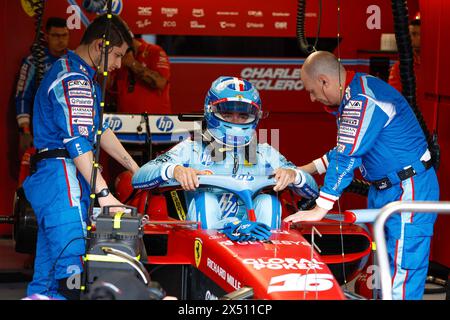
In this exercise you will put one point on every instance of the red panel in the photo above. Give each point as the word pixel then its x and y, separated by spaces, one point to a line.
pixel 430 29
pixel 250 18
pixel 441 239
pixel 12 53
pixel 442 49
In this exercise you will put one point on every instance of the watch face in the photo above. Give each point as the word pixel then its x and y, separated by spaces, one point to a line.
pixel 103 193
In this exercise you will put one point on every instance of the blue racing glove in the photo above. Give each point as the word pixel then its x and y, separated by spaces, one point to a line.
pixel 246 230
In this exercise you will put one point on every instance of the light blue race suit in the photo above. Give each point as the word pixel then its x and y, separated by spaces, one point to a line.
pixel 212 206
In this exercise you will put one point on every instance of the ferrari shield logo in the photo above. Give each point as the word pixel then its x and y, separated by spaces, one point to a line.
pixel 198 251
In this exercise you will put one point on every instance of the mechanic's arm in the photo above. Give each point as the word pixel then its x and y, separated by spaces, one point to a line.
pixel 115 149
pixel 23 100
pixel 84 165
pixel 346 157
pixel 318 166
pixel 151 77
pixel 287 174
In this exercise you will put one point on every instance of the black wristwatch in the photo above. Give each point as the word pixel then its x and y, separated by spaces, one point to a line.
pixel 103 193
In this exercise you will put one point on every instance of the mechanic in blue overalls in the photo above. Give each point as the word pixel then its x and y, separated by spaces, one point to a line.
pixel 228 146
pixel 379 133
pixel 57 38
pixel 65 124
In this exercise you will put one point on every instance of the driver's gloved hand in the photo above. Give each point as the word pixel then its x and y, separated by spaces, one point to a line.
pixel 246 230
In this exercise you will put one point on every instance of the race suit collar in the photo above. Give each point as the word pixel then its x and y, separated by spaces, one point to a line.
pixel 84 66
pixel 348 79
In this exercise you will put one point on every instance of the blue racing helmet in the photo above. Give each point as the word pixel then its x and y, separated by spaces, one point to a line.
pixel 231 95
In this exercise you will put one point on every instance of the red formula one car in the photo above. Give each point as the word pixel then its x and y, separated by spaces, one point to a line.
pixel 309 262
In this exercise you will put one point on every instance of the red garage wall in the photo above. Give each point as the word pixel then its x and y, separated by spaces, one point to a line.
pixel 436 100
pixel 15 41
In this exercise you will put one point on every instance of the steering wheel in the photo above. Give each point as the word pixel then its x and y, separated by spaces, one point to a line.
pixel 243 185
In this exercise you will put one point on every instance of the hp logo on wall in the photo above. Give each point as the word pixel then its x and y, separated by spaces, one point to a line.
pixel 165 124
pixel 114 123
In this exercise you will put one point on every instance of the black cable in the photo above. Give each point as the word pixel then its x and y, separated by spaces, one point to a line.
pixel 106 45
pixel 407 75
pixel 38 47
pixel 305 47
pixel 56 260
pixel 93 181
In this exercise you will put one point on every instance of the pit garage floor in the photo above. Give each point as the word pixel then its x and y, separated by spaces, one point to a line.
pixel 14 277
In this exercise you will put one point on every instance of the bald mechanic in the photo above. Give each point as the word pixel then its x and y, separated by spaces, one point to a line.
pixel 379 133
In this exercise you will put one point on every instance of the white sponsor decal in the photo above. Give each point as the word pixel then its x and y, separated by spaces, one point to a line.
pixel 169 24
pixel 350 121
pixel 79 149
pixel 80 93
pixel 340 148
pixel 85 121
pixel 221 272
pixel 286 263
pixel 271 73
pixel 346 140
pixel 144 11
pixel 351 113
pixel 227 13
pixel 349 131
pixel 78 84
pixel 169 12
pixel 297 282
pixel 83 69
pixel 281 25
pixel 82 111
pixel 347 93
pixel 224 24
pixel 281 14
pixel 274 242
pixel 280 231
pixel 81 101
pixel 143 23
pixel 83 130
pixel 354 104
pixel 253 25
pixel 198 13
pixel 196 25
pixel 255 13
pixel 343 174
pixel 280 79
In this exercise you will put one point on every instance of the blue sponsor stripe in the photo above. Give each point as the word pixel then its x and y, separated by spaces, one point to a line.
pixel 200 207
pixel 276 214
pixel 148 184
pixel 132 137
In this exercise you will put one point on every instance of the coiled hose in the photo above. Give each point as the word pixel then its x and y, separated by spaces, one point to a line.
pixel 407 75
pixel 38 47
pixel 305 47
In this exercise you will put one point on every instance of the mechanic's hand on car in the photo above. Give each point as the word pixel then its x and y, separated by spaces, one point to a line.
pixel 187 177
pixel 110 200
pixel 283 177
pixel 315 214
pixel 246 230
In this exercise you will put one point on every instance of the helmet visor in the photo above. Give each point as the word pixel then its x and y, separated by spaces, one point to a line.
pixel 237 112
